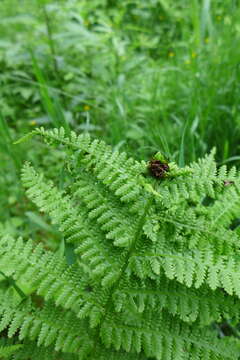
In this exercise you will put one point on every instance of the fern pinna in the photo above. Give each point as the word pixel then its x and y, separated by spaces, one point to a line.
pixel 157 260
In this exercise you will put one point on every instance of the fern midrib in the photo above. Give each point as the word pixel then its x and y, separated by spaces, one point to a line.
pixel 198 229
pixel 225 210
pixel 114 287
pixel 72 144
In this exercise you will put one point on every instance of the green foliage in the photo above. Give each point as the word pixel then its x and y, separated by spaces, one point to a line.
pixel 157 261
pixel 144 76
pixel 134 72
pixel 7 349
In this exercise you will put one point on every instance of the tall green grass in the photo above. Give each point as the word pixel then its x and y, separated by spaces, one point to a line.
pixel 134 73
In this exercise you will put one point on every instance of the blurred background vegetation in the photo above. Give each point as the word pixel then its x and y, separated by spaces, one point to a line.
pixel 142 75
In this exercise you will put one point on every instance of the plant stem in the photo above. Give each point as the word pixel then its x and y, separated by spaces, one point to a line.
pixel 50 40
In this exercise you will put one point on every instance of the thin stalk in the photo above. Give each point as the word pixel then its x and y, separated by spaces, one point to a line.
pixel 50 39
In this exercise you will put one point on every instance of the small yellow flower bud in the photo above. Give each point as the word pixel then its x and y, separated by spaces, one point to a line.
pixel 86 107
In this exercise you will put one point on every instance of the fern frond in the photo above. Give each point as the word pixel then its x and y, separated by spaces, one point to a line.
pixel 194 268
pixel 227 208
pixel 72 223
pixel 189 304
pixel 48 275
pixel 8 350
pixel 29 350
pixel 167 340
pixel 157 259
pixel 117 172
pixel 45 326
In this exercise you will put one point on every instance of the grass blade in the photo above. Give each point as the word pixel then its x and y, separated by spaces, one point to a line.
pixel 51 104
pixel 181 160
